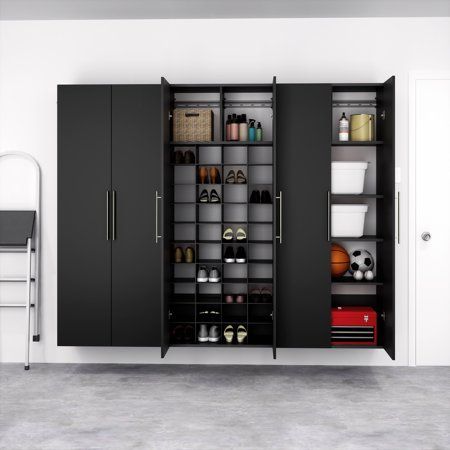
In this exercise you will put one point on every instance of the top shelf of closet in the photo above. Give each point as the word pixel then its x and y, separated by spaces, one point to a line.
pixel 223 143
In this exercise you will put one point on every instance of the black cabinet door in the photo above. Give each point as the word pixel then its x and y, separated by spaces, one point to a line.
pixel 136 177
pixel 386 211
pixel 84 270
pixel 303 134
pixel 167 216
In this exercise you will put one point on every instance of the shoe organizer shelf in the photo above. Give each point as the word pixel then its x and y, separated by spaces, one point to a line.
pixel 226 230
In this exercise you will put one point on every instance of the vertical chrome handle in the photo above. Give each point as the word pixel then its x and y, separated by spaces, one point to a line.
pixel 157 235
pixel 280 235
pixel 107 215
pixel 328 216
pixel 398 217
pixel 113 215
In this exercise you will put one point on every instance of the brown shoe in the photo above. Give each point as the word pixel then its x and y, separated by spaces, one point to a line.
pixel 214 175
pixel 178 255
pixel 189 255
pixel 203 175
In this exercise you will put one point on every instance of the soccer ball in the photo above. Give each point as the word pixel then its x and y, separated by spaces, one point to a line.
pixel 361 260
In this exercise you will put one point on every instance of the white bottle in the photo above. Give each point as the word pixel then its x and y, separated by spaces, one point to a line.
pixel 343 128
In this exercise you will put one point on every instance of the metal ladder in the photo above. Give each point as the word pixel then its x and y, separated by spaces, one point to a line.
pixel 20 233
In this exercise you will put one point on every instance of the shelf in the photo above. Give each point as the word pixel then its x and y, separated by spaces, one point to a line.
pixel 187 241
pixel 183 280
pixel 356 143
pixel 222 143
pixel 209 298
pixel 209 261
pixel 355 196
pixel 366 347
pixel 234 281
pixel 368 238
pixel 351 280
pixel 260 242
pixel 209 242
pixel 260 261
pixel 260 280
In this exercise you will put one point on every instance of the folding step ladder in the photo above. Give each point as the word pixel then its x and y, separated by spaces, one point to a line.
pixel 20 233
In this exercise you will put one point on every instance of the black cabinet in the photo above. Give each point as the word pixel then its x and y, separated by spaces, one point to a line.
pixel 303 180
pixel 129 201
pixel 109 163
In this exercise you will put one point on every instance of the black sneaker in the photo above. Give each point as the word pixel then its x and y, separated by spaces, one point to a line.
pixel 265 197
pixel 214 197
pixel 228 257
pixel 204 196
pixel 189 157
pixel 240 255
pixel 179 157
pixel 255 197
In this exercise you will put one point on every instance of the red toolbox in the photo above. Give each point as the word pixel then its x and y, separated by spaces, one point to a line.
pixel 353 325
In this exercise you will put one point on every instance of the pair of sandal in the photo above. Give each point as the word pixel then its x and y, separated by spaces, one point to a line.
pixel 228 235
pixel 236 178
pixel 240 335
pixel 206 197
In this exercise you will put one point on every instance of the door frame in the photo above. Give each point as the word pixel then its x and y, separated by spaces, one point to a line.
pixel 414 77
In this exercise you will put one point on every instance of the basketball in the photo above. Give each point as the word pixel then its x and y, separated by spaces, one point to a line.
pixel 340 260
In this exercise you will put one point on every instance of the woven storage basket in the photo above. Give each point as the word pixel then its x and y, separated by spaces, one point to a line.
pixel 193 125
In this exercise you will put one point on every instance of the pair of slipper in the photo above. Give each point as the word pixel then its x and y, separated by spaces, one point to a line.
pixel 240 335
pixel 238 178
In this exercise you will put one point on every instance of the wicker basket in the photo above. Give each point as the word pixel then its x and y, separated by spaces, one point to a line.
pixel 191 125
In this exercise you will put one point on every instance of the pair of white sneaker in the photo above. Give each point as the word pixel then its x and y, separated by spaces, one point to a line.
pixel 203 276
pixel 213 335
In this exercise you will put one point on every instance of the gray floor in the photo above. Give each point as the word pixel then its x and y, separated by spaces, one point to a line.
pixel 184 407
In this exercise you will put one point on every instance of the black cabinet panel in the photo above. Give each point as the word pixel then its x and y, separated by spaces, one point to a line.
pixel 136 175
pixel 303 134
pixel 386 211
pixel 166 214
pixel 84 271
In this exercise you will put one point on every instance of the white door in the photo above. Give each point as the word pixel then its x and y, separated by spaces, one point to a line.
pixel 432 240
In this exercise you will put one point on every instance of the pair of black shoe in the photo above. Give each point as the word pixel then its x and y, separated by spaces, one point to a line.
pixel 183 334
pixel 206 197
pixel 240 257
pixel 260 197
pixel 187 157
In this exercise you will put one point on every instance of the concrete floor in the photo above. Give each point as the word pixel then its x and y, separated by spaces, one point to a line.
pixel 207 407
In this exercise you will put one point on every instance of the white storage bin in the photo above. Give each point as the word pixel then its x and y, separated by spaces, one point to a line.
pixel 347 177
pixel 348 220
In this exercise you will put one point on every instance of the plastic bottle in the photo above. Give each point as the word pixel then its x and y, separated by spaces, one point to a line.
pixel 252 131
pixel 259 133
pixel 234 129
pixel 343 128
pixel 243 128
pixel 228 128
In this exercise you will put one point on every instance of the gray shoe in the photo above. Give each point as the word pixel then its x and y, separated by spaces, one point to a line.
pixel 214 334
pixel 214 275
pixel 202 275
pixel 203 333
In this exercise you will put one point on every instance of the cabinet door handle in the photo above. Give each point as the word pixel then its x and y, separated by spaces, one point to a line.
pixel 328 216
pixel 114 215
pixel 280 224
pixel 108 201
pixel 157 235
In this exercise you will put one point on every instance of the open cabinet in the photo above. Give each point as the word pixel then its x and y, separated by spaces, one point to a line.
pixel 224 240
pixel 217 221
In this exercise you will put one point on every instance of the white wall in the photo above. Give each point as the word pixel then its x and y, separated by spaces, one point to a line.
pixel 36 56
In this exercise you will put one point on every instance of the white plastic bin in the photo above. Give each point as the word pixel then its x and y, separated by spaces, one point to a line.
pixel 347 177
pixel 348 220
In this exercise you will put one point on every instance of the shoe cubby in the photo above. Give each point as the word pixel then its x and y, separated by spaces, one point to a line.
pixel 230 169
